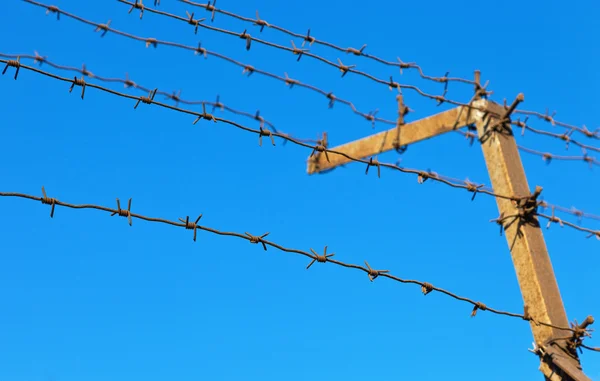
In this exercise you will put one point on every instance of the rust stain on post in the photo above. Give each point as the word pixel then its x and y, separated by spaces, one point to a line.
pixel 386 140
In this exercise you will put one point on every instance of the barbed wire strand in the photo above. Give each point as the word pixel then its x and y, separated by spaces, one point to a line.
pixel 422 176
pixel 360 52
pixel 566 137
pixel 550 119
pixel 313 40
pixel 250 69
pixel 370 116
pixel 548 157
pixel 426 287
pixel 174 96
pixel 293 49
pixel 177 99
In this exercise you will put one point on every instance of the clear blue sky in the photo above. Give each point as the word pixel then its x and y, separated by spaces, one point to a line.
pixel 87 297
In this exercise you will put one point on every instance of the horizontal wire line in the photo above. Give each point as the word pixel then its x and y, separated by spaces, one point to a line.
pixel 250 69
pixel 129 83
pixel 324 258
pixel 307 38
pixel 422 175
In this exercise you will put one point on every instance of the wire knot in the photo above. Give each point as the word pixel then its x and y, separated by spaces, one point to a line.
pixel 191 225
pixel 13 63
pixel 319 258
pixel 48 201
pixel 261 23
pixel 40 59
pixel 138 5
pixel 308 39
pixel 553 219
pixel 374 273
pixel 473 188
pixel 264 132
pixel 423 176
pixel 148 100
pixel 248 39
pixel 298 51
pixel 596 233
pixel 375 163
pixel 478 306
pixel 193 22
pixel 257 239
pixel 248 69
pixel 290 82
pixel 212 9
pixel 152 41
pixel 343 68
pixel 123 212
pixel 104 28
pixel 331 98
pixel 53 9
pixel 205 115
pixel 426 288
pixel 78 82
pixel 356 52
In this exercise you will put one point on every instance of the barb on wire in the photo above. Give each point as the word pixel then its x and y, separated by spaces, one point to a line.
pixel 325 258
pixel 312 40
pixel 175 96
pixel 422 176
pixel 250 69
pixel 565 137
pixel 548 157
pixel 595 134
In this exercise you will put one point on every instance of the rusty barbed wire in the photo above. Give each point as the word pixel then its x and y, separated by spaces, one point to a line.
pixel 293 49
pixel 319 148
pixel 174 96
pixel 372 274
pixel 550 119
pixel 369 116
pixel 312 40
pixel 440 99
pixel 548 157
pixel 566 137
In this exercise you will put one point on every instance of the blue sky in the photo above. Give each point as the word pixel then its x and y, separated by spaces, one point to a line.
pixel 87 297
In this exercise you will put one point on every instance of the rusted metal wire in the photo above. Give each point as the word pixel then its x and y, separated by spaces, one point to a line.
pixel 312 40
pixel 174 96
pixel 332 99
pixel 422 176
pixel 550 119
pixel 292 49
pixel 440 99
pixel 566 137
pixel 372 274
pixel 548 157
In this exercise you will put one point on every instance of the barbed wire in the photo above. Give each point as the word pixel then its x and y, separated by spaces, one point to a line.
pixel 313 40
pixel 250 69
pixel 293 49
pixel 471 135
pixel 360 52
pixel 566 137
pixel 326 257
pixel 128 83
pixel 319 148
pixel 370 116
pixel 174 96
pixel 550 119
pixel 548 157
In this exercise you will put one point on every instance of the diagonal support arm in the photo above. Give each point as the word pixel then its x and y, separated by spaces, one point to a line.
pixel 386 141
